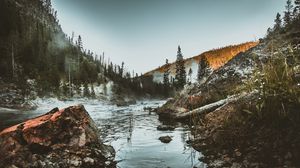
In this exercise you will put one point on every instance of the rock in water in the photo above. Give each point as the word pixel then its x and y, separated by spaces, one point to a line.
pixel 60 138
pixel 165 139
pixel 165 128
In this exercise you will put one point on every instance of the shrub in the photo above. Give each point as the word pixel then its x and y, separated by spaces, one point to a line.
pixel 278 87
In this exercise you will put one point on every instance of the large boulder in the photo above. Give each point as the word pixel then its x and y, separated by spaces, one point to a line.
pixel 59 138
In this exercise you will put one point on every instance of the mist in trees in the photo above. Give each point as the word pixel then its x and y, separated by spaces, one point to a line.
pixel 33 46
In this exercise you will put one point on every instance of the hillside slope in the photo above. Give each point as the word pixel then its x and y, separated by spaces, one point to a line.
pixel 246 113
pixel 216 58
pixel 38 59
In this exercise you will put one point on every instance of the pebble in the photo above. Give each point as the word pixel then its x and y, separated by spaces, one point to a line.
pixel 89 160
pixel 75 162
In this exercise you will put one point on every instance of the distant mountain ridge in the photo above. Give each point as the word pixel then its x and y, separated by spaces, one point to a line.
pixel 216 58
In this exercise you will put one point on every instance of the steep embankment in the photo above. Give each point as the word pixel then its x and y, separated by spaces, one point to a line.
pixel 234 124
pixel 216 58
pixel 221 83
pixel 246 113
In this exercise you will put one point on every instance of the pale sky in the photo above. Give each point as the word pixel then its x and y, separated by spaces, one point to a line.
pixel 143 33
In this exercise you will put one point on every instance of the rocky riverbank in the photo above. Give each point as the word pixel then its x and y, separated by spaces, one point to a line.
pixel 230 137
pixel 60 138
pixel 17 98
pixel 13 97
pixel 246 145
pixel 234 126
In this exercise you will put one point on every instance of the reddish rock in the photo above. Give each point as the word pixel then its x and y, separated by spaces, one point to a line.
pixel 60 138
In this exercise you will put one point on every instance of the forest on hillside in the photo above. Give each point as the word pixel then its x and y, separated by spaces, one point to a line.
pixel 35 48
pixel 37 55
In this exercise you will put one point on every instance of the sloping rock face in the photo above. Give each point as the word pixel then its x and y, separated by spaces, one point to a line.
pixel 216 58
pixel 221 83
pixel 60 138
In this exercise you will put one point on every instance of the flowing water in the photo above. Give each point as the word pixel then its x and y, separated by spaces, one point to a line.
pixel 130 130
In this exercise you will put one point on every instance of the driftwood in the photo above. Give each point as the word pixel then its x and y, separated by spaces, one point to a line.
pixel 207 108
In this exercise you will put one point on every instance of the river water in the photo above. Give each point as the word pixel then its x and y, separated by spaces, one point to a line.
pixel 130 130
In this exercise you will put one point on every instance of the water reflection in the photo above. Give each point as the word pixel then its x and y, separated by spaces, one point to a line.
pixel 131 123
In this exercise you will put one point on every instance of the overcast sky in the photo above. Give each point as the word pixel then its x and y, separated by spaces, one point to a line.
pixel 143 33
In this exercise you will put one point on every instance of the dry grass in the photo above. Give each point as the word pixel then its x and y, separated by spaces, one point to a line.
pixel 279 91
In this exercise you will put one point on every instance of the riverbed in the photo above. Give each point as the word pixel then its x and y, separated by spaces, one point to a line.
pixel 130 130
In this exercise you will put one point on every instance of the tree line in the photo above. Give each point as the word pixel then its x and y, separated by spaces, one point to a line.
pixel 284 22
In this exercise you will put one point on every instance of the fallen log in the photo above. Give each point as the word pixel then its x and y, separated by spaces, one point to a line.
pixel 206 109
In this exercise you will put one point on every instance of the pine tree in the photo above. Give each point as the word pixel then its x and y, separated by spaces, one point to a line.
pixel 48 5
pixel 278 22
pixel 269 32
pixel 79 43
pixel 121 71
pixel 65 89
pixel 295 13
pixel 288 13
pixel 296 9
pixel 180 77
pixel 297 4
pixel 86 91
pixel 55 16
pixel 166 73
pixel 72 38
pixel 203 68
pixel 93 94
pixel 80 47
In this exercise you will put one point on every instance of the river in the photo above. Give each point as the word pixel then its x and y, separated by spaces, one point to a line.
pixel 130 130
